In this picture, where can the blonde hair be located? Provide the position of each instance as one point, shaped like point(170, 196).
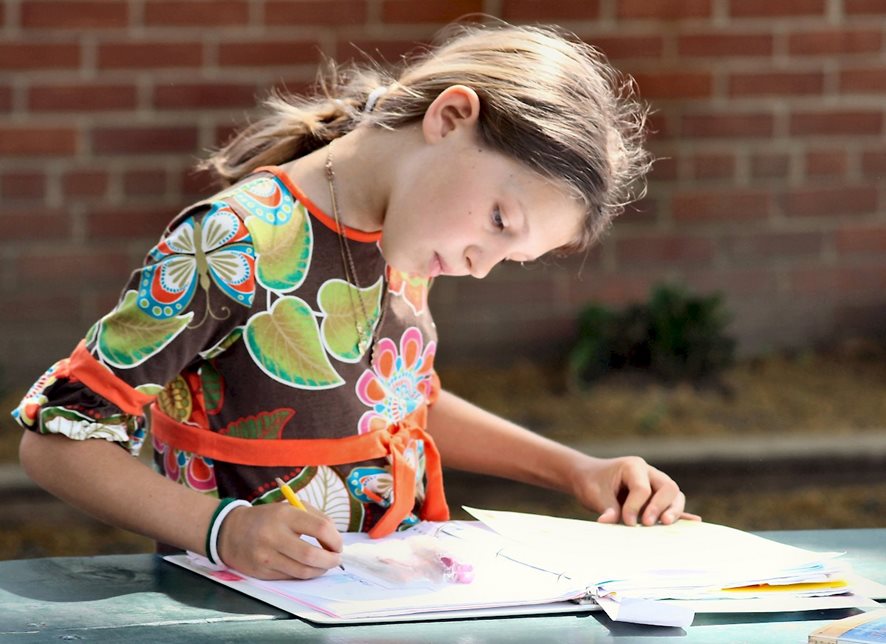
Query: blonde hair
point(547, 100)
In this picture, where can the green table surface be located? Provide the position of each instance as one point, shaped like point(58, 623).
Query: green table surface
point(141, 598)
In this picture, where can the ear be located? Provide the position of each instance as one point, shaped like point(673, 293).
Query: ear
point(455, 107)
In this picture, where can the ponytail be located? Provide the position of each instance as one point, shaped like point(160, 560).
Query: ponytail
point(296, 125)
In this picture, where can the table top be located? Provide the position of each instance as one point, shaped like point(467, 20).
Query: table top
point(141, 598)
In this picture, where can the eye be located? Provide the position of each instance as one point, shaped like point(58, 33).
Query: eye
point(497, 219)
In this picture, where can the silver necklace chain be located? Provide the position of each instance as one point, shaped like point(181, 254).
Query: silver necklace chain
point(365, 337)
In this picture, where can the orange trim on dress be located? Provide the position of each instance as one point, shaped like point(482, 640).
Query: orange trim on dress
point(326, 220)
point(391, 442)
point(84, 367)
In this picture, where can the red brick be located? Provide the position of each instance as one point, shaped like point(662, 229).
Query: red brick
point(664, 169)
point(73, 266)
point(30, 223)
point(812, 280)
point(196, 13)
point(317, 12)
point(833, 202)
point(33, 306)
point(675, 85)
point(776, 83)
point(74, 15)
point(770, 9)
point(864, 7)
point(733, 281)
point(862, 279)
point(627, 46)
point(82, 97)
point(85, 183)
point(712, 166)
point(770, 166)
point(721, 205)
point(196, 184)
point(23, 185)
point(859, 240)
point(128, 224)
point(728, 125)
point(539, 10)
point(5, 98)
point(835, 41)
point(144, 182)
point(144, 140)
point(837, 122)
point(149, 55)
point(261, 53)
point(21, 56)
point(615, 289)
point(38, 141)
point(668, 249)
point(774, 245)
point(388, 51)
point(873, 163)
point(725, 44)
point(672, 10)
point(863, 81)
point(438, 11)
point(205, 95)
point(826, 163)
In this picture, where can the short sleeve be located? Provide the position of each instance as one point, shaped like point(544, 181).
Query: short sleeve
point(193, 292)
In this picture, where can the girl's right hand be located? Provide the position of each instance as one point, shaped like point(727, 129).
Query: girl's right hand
point(264, 541)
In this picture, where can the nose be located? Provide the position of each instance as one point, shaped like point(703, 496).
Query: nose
point(480, 263)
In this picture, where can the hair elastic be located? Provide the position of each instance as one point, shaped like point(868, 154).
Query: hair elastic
point(224, 508)
point(373, 97)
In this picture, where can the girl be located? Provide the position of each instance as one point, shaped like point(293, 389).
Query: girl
point(281, 328)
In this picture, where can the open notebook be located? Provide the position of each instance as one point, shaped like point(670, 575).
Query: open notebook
point(531, 564)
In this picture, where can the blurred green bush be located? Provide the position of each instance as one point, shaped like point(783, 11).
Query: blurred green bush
point(674, 336)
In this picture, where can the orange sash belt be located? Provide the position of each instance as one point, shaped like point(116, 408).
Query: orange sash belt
point(392, 442)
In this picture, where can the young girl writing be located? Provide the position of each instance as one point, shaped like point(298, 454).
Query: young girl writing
point(281, 327)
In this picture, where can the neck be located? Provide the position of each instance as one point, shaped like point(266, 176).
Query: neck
point(363, 167)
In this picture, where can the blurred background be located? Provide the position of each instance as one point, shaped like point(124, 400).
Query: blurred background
point(731, 328)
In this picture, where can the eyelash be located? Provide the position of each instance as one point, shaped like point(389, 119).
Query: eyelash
point(497, 219)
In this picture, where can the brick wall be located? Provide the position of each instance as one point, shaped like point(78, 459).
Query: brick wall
point(770, 125)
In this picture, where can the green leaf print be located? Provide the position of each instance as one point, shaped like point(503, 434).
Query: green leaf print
point(328, 493)
point(213, 388)
point(227, 342)
point(285, 343)
point(283, 251)
point(149, 389)
point(340, 303)
point(265, 425)
point(128, 336)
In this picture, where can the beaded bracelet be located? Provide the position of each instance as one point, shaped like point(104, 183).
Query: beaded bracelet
point(224, 508)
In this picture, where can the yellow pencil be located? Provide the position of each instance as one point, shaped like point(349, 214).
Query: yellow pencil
point(290, 495)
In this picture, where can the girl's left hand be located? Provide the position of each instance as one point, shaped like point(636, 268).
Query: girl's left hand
point(630, 490)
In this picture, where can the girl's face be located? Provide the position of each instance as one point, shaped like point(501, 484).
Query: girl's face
point(459, 209)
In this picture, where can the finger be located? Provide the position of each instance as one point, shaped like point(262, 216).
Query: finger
point(666, 504)
point(313, 558)
point(318, 525)
point(610, 515)
point(690, 517)
point(639, 491)
point(670, 512)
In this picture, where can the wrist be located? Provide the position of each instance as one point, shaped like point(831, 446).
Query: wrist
point(213, 533)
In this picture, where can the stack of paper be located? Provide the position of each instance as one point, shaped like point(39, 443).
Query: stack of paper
point(706, 567)
point(529, 563)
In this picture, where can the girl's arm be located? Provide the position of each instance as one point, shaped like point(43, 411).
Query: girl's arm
point(102, 479)
point(626, 488)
